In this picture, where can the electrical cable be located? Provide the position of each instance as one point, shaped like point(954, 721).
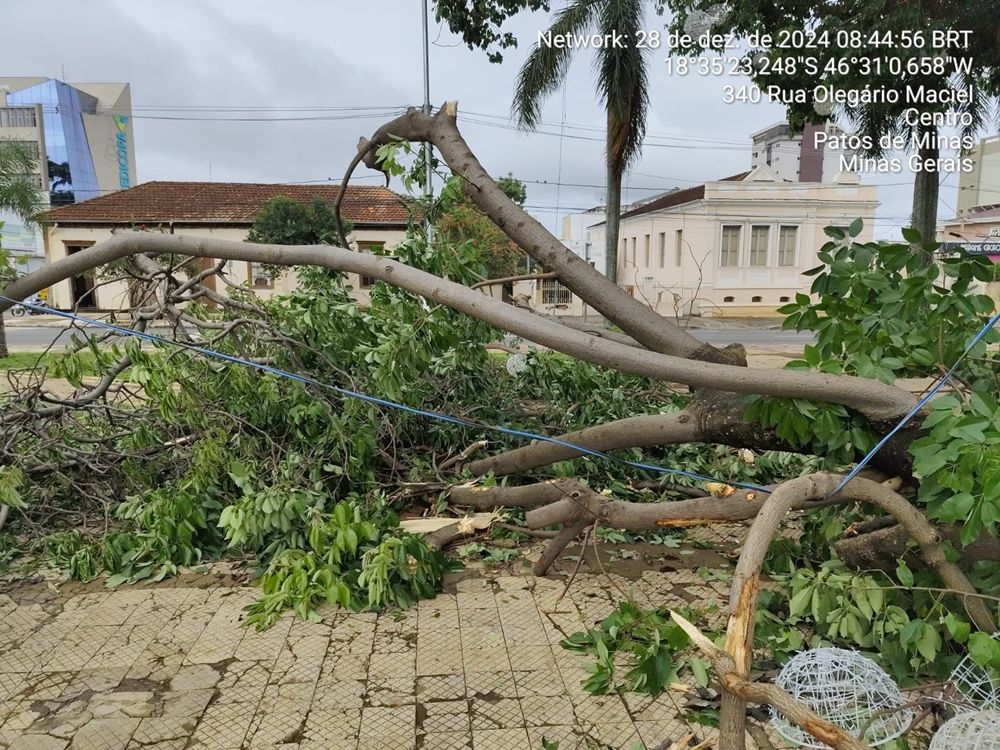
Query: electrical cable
point(919, 405)
point(462, 421)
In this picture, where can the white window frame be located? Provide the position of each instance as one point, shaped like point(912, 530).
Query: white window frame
point(739, 245)
point(795, 247)
point(663, 249)
point(678, 247)
point(767, 246)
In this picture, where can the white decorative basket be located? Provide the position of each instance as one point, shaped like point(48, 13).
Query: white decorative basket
point(848, 690)
point(978, 730)
point(978, 685)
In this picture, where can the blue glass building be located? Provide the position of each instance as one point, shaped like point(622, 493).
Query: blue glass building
point(71, 170)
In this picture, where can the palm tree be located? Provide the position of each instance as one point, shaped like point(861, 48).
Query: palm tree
point(622, 86)
point(19, 194)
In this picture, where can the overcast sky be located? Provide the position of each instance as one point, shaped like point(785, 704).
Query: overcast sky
point(303, 58)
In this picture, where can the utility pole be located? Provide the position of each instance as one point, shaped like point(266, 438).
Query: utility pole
point(428, 151)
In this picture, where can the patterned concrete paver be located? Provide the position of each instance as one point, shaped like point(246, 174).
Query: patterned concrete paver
point(174, 668)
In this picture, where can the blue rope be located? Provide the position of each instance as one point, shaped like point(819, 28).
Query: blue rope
point(378, 401)
point(919, 405)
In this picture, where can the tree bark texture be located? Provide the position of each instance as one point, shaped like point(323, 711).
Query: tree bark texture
point(875, 400)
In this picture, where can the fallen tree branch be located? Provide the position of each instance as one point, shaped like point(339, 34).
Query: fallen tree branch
point(634, 432)
point(733, 683)
point(746, 579)
point(556, 546)
point(461, 457)
point(883, 548)
point(440, 129)
point(875, 400)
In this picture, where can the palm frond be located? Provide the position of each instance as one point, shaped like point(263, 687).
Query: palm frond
point(544, 70)
point(18, 191)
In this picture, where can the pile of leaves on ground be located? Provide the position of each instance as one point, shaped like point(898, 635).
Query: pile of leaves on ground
point(307, 485)
point(303, 483)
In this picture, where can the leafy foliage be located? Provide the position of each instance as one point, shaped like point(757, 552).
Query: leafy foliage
point(958, 463)
point(464, 223)
point(285, 221)
point(911, 629)
point(479, 23)
point(883, 313)
point(358, 564)
point(880, 312)
point(648, 641)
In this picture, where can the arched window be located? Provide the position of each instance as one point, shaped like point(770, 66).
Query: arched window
point(728, 299)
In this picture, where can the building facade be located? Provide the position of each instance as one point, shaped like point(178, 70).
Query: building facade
point(209, 209)
point(737, 246)
point(806, 157)
point(81, 135)
point(981, 186)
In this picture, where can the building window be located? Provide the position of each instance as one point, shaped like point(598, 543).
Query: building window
point(729, 249)
point(645, 251)
point(760, 236)
point(367, 282)
point(788, 239)
point(633, 251)
point(783, 299)
point(260, 276)
point(728, 299)
point(554, 293)
point(678, 247)
point(756, 299)
point(663, 248)
point(18, 117)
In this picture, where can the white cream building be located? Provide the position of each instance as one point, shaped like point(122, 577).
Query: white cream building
point(737, 246)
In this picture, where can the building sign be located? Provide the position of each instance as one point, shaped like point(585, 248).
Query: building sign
point(972, 248)
point(121, 147)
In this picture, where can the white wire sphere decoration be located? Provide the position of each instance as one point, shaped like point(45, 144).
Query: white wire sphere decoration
point(699, 22)
point(847, 689)
point(978, 685)
point(978, 730)
point(517, 363)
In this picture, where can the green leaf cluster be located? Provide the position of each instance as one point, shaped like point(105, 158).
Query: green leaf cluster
point(351, 562)
point(958, 463)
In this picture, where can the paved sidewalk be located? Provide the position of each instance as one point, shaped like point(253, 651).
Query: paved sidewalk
point(173, 667)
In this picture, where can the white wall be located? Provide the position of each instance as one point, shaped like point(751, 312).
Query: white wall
point(699, 277)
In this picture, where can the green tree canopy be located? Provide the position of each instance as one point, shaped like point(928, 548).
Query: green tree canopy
point(285, 221)
point(19, 194)
point(463, 222)
point(479, 23)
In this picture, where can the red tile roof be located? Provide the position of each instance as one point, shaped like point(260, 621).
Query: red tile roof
point(226, 203)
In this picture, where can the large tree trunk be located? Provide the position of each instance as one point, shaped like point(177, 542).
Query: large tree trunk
point(3, 337)
point(613, 211)
point(926, 187)
point(645, 325)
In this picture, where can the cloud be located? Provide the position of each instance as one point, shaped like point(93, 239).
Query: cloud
point(270, 58)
